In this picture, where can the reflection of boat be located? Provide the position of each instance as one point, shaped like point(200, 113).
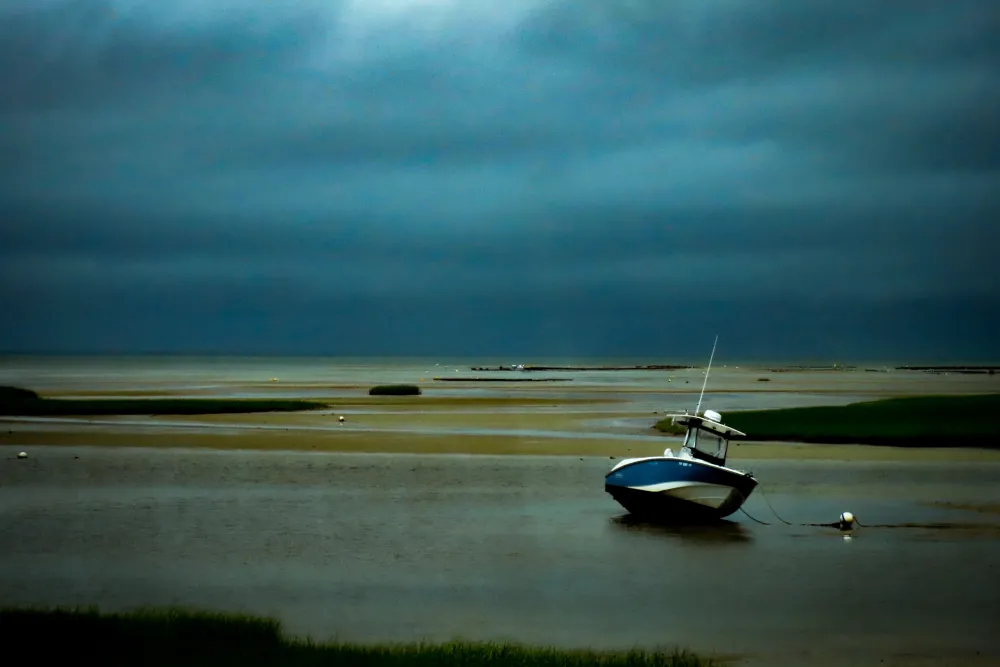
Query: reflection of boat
point(717, 533)
point(693, 485)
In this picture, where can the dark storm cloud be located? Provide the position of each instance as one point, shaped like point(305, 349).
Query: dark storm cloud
point(233, 154)
point(698, 44)
point(904, 84)
point(86, 53)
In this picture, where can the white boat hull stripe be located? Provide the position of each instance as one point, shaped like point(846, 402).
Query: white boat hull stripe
point(710, 495)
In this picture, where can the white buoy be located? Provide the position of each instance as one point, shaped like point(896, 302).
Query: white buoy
point(340, 418)
point(846, 521)
point(847, 538)
point(22, 455)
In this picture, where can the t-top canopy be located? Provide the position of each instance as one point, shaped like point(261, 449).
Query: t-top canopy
point(696, 421)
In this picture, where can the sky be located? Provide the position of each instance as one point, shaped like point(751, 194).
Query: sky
point(533, 178)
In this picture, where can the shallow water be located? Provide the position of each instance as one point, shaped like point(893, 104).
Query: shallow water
point(380, 547)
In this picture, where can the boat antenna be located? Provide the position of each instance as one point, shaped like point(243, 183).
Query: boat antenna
point(705, 383)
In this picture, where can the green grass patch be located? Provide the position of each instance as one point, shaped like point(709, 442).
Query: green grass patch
point(921, 421)
point(29, 404)
point(395, 390)
point(181, 637)
point(16, 395)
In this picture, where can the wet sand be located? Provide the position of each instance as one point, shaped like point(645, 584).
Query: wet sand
point(424, 518)
point(257, 438)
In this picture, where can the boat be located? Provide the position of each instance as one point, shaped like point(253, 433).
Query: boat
point(693, 485)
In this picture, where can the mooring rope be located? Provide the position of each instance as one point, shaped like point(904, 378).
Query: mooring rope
point(833, 524)
point(763, 523)
point(768, 503)
point(845, 524)
point(847, 520)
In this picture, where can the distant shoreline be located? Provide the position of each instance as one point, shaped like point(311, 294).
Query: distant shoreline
point(531, 367)
point(952, 369)
point(479, 379)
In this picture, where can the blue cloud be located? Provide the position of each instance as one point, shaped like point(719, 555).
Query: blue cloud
point(318, 154)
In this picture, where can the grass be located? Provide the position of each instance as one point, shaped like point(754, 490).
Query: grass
point(395, 390)
point(16, 395)
point(921, 421)
point(183, 637)
point(25, 403)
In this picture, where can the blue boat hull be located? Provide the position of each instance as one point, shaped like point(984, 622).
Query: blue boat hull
point(677, 489)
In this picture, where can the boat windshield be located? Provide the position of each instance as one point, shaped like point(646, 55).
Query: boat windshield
point(710, 444)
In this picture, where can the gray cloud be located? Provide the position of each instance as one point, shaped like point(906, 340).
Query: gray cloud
point(897, 85)
point(709, 43)
point(98, 53)
point(274, 157)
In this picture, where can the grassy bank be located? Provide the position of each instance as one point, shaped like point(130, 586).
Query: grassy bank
point(395, 390)
point(178, 637)
point(923, 421)
point(26, 403)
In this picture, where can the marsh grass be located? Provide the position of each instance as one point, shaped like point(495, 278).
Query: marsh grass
point(394, 390)
point(183, 637)
point(25, 403)
point(921, 421)
point(16, 395)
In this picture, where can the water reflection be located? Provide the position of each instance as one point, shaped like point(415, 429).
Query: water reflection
point(715, 533)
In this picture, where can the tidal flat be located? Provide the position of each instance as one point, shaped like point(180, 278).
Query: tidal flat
point(480, 515)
